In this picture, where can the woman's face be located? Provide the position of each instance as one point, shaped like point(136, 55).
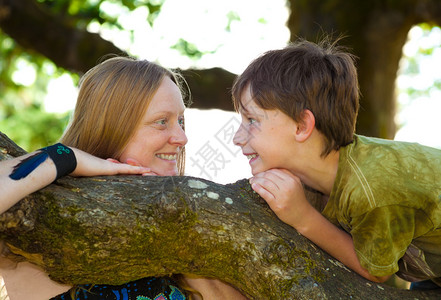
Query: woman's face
point(160, 136)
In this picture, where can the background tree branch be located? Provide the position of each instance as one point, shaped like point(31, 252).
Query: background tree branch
point(376, 31)
point(35, 28)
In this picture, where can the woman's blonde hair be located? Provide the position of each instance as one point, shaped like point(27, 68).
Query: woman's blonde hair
point(113, 97)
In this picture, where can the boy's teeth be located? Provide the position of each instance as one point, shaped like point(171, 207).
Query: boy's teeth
point(167, 156)
point(251, 156)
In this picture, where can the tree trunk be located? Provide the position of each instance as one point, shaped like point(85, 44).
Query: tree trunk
point(120, 228)
point(210, 88)
point(376, 31)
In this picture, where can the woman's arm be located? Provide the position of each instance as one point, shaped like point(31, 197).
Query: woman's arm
point(12, 190)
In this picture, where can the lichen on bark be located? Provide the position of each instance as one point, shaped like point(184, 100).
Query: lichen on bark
point(114, 229)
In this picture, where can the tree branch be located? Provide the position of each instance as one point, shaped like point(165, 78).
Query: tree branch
point(119, 228)
point(35, 28)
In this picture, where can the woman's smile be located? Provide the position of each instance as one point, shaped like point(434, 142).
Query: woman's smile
point(169, 157)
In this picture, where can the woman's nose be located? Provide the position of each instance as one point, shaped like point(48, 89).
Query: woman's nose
point(178, 136)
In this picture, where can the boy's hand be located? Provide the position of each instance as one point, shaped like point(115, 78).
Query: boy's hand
point(284, 193)
point(89, 165)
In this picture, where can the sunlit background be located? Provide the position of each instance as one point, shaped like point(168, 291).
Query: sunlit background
point(230, 37)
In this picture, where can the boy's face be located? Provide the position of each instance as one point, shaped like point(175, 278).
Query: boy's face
point(267, 137)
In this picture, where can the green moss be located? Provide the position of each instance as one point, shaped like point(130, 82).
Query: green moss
point(52, 235)
point(74, 210)
point(280, 253)
point(164, 240)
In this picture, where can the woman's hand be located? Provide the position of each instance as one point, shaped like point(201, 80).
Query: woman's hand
point(134, 162)
point(89, 165)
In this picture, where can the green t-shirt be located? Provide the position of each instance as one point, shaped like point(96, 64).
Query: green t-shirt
point(387, 195)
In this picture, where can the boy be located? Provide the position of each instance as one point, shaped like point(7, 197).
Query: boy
point(382, 199)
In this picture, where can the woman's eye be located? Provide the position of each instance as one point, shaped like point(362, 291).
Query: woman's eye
point(251, 121)
point(161, 122)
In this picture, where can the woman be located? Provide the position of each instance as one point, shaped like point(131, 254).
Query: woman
point(141, 124)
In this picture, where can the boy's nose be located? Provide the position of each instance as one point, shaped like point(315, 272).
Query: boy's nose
point(240, 138)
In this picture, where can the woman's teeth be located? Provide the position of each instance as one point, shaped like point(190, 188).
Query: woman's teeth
point(167, 156)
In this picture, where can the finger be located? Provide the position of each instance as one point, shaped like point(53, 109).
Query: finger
point(265, 194)
point(122, 168)
point(283, 178)
point(272, 174)
point(258, 176)
point(113, 160)
point(140, 170)
point(266, 183)
point(273, 177)
point(281, 174)
point(132, 162)
point(150, 173)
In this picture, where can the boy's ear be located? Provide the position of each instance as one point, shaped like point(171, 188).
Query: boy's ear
point(305, 126)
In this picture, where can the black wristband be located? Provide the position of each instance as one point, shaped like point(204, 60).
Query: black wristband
point(63, 158)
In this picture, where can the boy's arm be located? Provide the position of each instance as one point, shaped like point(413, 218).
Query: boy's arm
point(284, 194)
point(12, 190)
point(338, 243)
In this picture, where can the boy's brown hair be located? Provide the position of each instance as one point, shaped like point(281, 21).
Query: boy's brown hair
point(319, 77)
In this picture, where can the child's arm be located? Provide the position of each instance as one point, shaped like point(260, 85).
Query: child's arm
point(11, 190)
point(284, 194)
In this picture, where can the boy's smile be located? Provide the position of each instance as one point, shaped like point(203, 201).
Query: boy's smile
point(251, 156)
point(267, 137)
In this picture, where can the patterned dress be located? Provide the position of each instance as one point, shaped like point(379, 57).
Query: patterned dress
point(150, 288)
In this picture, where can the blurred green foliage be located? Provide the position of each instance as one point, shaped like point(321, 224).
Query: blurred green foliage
point(190, 50)
point(412, 66)
point(33, 128)
point(22, 117)
point(22, 114)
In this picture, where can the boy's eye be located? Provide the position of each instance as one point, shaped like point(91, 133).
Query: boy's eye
point(181, 122)
point(251, 121)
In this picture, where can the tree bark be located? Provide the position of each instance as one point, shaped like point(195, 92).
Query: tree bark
point(210, 88)
point(376, 31)
point(116, 229)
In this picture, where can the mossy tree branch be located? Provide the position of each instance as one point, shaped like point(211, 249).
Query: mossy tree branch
point(120, 228)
